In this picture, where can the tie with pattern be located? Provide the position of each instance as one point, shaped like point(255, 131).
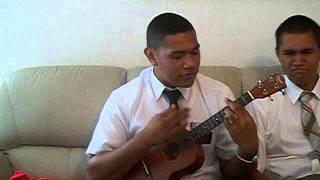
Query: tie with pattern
point(310, 126)
point(173, 96)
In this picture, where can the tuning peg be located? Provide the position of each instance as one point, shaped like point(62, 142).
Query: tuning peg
point(270, 78)
point(260, 84)
point(265, 91)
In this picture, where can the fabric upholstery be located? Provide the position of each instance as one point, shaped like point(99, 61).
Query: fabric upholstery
point(57, 105)
point(226, 74)
point(48, 113)
point(57, 163)
point(5, 169)
point(8, 134)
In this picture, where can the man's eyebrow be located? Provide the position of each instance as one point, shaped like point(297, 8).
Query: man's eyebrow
point(182, 52)
point(307, 49)
point(178, 52)
point(288, 50)
point(302, 50)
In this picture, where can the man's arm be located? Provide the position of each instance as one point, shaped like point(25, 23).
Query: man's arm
point(258, 176)
point(243, 131)
point(161, 129)
point(115, 164)
point(230, 170)
point(235, 169)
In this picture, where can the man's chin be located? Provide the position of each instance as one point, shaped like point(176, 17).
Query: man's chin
point(298, 76)
point(298, 79)
point(186, 84)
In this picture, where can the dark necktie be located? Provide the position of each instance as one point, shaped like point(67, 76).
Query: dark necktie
point(172, 96)
point(310, 126)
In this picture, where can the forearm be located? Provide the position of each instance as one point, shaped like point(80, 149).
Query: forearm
point(116, 164)
point(258, 176)
point(235, 168)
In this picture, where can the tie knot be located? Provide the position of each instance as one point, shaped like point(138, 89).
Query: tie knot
point(305, 97)
point(173, 96)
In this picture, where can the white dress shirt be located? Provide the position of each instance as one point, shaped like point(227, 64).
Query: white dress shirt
point(130, 107)
point(283, 147)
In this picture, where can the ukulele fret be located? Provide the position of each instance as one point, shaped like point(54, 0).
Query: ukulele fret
point(244, 99)
point(199, 130)
point(205, 127)
point(214, 120)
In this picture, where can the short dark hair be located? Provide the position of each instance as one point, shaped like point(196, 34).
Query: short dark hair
point(298, 24)
point(166, 24)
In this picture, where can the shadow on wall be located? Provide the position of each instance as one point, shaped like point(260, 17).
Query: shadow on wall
point(259, 68)
point(262, 61)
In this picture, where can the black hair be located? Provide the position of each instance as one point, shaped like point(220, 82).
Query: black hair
point(298, 24)
point(166, 24)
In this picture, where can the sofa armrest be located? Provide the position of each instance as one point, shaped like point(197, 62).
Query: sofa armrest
point(5, 168)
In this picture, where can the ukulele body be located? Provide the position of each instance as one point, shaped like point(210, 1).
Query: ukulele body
point(159, 166)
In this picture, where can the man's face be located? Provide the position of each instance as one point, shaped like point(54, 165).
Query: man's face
point(177, 61)
point(299, 56)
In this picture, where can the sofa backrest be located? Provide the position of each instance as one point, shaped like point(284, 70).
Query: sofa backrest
point(56, 105)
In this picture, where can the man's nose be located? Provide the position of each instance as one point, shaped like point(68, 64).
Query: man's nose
point(299, 57)
point(190, 61)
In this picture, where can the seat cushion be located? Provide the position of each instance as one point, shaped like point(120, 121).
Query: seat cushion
point(53, 162)
point(5, 168)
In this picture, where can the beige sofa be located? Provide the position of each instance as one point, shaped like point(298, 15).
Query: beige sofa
point(47, 114)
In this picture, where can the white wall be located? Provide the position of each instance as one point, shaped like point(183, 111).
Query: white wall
point(112, 32)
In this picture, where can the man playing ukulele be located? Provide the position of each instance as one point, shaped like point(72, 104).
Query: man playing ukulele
point(139, 115)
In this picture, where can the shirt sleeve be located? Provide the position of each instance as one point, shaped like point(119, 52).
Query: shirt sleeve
point(111, 129)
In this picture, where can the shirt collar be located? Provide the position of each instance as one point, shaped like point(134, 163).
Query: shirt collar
point(294, 91)
point(158, 87)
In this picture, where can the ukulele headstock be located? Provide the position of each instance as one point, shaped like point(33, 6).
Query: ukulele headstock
point(272, 84)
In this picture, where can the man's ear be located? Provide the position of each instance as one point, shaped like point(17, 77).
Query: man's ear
point(151, 55)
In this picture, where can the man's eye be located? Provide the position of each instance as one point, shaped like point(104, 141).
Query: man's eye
point(289, 53)
point(176, 56)
point(307, 52)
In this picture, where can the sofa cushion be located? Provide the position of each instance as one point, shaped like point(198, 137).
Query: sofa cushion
point(134, 72)
point(5, 169)
point(8, 134)
point(56, 106)
point(228, 75)
point(53, 162)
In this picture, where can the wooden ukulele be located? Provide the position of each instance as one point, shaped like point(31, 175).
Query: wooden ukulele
point(185, 156)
